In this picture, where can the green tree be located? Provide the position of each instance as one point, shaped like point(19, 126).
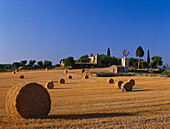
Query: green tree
point(84, 58)
point(157, 60)
point(148, 57)
point(69, 61)
point(23, 62)
point(167, 65)
point(132, 61)
point(139, 53)
point(113, 61)
point(152, 65)
point(16, 65)
point(108, 51)
point(144, 64)
point(31, 62)
point(164, 66)
point(47, 63)
point(106, 60)
point(40, 63)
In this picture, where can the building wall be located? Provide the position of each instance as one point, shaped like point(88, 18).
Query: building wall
point(116, 69)
point(97, 59)
point(125, 64)
point(62, 64)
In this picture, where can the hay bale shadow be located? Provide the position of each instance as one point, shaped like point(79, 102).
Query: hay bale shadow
point(135, 90)
point(61, 88)
point(86, 116)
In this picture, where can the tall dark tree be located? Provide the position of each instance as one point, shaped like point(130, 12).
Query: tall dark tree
point(108, 51)
point(148, 57)
point(139, 53)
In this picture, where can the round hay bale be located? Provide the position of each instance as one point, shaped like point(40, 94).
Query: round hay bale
point(28, 101)
point(16, 70)
point(118, 84)
point(46, 69)
point(86, 77)
point(61, 81)
point(13, 72)
point(65, 71)
point(127, 86)
point(69, 77)
point(21, 76)
point(49, 85)
point(132, 81)
point(82, 71)
point(110, 80)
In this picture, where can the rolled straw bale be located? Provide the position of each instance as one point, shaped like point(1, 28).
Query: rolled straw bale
point(86, 77)
point(82, 71)
point(118, 84)
point(110, 80)
point(69, 77)
point(21, 76)
point(65, 71)
point(132, 81)
point(127, 86)
point(49, 85)
point(13, 72)
point(61, 81)
point(46, 69)
point(28, 101)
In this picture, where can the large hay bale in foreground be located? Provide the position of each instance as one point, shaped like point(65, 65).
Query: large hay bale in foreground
point(21, 76)
point(127, 86)
point(132, 81)
point(28, 101)
point(65, 71)
point(61, 81)
point(86, 77)
point(118, 84)
point(49, 85)
point(69, 77)
point(110, 80)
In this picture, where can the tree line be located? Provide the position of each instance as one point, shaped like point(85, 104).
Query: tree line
point(156, 60)
point(31, 63)
point(107, 60)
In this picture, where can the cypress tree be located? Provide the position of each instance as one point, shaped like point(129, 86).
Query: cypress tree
point(108, 51)
point(148, 57)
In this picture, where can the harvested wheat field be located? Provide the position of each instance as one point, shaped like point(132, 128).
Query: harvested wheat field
point(93, 103)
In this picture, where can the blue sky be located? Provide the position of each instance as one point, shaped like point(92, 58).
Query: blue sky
point(55, 29)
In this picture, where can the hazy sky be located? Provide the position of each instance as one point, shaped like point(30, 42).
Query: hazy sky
point(56, 29)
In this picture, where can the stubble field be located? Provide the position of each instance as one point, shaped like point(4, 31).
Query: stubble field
point(93, 103)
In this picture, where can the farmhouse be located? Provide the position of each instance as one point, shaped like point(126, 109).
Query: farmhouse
point(97, 59)
point(123, 67)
